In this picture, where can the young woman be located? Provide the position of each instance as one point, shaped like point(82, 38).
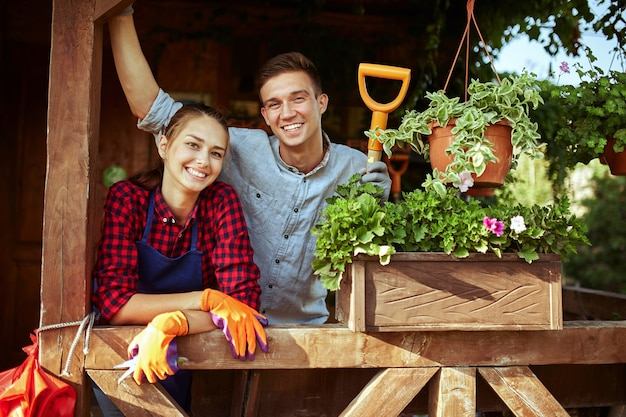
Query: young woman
point(175, 253)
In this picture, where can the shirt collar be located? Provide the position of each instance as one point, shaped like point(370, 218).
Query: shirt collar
point(163, 213)
point(295, 170)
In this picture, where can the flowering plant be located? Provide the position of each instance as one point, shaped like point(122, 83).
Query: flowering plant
point(355, 222)
point(487, 104)
point(590, 113)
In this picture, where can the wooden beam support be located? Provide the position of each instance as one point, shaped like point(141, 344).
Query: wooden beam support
point(335, 346)
point(453, 393)
point(104, 9)
point(136, 400)
point(68, 218)
point(389, 392)
point(522, 392)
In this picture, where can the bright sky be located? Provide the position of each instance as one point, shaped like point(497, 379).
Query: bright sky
point(522, 54)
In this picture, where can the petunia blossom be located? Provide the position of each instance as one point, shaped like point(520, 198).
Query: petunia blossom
point(464, 182)
point(517, 224)
point(494, 225)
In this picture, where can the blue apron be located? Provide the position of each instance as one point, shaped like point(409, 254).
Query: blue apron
point(159, 274)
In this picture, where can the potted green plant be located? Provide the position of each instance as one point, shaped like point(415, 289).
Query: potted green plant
point(431, 248)
point(593, 116)
point(470, 149)
point(426, 221)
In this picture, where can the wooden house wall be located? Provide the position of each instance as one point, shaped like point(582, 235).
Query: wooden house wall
point(188, 65)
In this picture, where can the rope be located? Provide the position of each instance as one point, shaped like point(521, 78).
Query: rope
point(470, 19)
point(88, 322)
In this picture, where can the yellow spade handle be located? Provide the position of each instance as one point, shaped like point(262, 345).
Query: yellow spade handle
point(381, 110)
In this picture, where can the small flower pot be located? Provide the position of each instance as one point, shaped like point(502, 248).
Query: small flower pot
point(615, 160)
point(495, 173)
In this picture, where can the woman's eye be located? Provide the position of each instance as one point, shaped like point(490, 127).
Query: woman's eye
point(217, 155)
point(192, 145)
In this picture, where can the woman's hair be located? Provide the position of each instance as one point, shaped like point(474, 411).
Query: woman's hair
point(288, 62)
point(152, 178)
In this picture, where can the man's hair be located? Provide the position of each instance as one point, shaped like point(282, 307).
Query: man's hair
point(289, 62)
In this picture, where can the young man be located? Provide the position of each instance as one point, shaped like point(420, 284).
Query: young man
point(283, 180)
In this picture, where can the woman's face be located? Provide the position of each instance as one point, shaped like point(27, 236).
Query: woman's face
point(193, 158)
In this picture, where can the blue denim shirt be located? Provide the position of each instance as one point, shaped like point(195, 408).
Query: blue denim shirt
point(281, 205)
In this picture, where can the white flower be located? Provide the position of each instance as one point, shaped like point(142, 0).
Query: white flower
point(517, 224)
point(464, 182)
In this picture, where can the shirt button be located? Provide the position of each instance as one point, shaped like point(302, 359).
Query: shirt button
point(263, 312)
point(270, 286)
point(180, 235)
point(286, 236)
point(258, 195)
point(277, 261)
point(295, 210)
point(165, 220)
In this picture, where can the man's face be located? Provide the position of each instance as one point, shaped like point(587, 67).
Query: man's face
point(291, 109)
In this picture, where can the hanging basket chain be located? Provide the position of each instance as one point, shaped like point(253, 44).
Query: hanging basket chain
point(466, 37)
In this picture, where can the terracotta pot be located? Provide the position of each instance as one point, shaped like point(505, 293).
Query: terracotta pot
point(480, 192)
point(615, 161)
point(495, 173)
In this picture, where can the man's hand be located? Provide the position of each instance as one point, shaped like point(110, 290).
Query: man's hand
point(377, 174)
point(241, 324)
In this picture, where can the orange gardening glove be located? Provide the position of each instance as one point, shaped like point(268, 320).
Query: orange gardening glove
point(242, 325)
point(151, 348)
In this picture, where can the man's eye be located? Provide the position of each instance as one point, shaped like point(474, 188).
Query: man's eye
point(300, 99)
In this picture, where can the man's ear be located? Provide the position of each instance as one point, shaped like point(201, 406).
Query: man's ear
point(162, 146)
point(264, 114)
point(322, 101)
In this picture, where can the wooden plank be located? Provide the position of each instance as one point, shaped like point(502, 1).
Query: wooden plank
point(522, 391)
point(136, 400)
point(72, 149)
point(587, 304)
point(335, 346)
point(104, 9)
point(453, 393)
point(397, 386)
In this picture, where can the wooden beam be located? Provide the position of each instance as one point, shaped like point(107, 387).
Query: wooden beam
point(335, 346)
point(453, 393)
point(104, 9)
point(588, 304)
point(136, 400)
point(522, 392)
point(72, 148)
point(389, 392)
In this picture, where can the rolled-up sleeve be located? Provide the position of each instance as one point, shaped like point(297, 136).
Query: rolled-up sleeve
point(159, 115)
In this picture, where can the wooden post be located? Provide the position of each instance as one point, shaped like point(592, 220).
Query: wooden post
point(72, 149)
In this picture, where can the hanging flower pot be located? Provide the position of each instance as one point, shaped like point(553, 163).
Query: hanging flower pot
point(498, 134)
point(615, 160)
point(480, 192)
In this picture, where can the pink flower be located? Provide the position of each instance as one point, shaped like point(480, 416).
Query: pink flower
point(494, 226)
point(564, 67)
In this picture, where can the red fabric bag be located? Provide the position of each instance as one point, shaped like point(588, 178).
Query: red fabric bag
point(29, 391)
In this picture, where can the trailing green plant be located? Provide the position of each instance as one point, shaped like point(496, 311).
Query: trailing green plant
point(355, 222)
point(487, 103)
point(592, 112)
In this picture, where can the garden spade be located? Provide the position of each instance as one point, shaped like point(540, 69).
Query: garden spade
point(381, 110)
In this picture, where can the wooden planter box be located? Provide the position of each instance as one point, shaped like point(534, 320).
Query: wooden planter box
point(435, 291)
